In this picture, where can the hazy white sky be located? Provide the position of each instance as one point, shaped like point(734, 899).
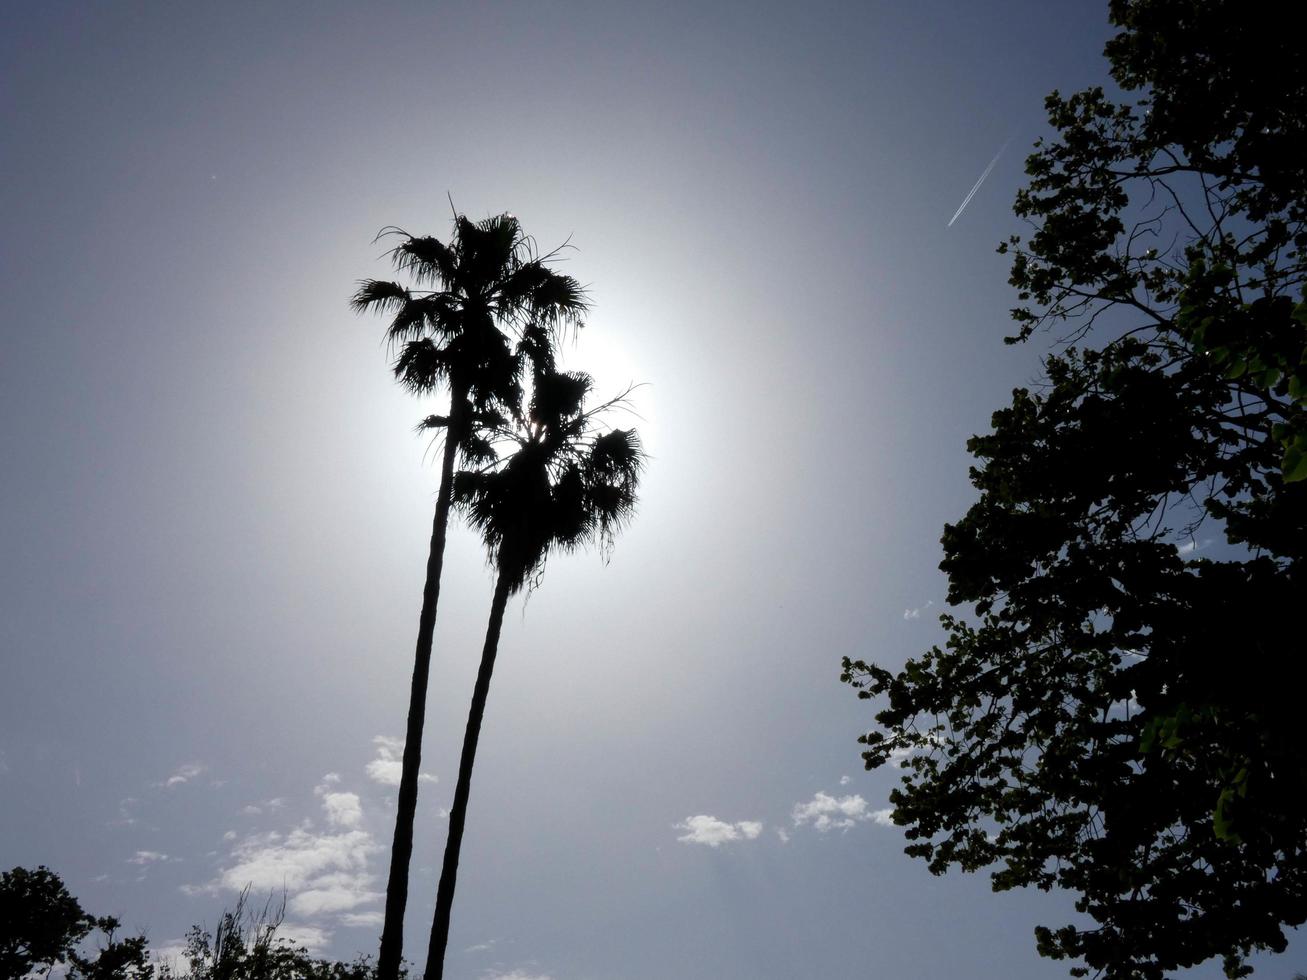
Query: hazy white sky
point(214, 513)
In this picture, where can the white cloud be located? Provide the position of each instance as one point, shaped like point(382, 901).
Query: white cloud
point(387, 767)
point(342, 809)
point(342, 891)
point(271, 806)
point(271, 861)
point(703, 829)
point(324, 875)
point(183, 774)
point(844, 780)
point(313, 938)
point(147, 857)
point(883, 817)
point(374, 918)
point(825, 812)
point(515, 975)
point(783, 835)
point(916, 613)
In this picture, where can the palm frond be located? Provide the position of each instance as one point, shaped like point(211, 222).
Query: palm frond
point(428, 260)
point(437, 315)
point(422, 366)
point(558, 397)
point(535, 349)
point(377, 294)
point(477, 450)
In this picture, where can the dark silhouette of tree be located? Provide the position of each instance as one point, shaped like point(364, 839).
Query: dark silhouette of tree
point(245, 946)
point(40, 922)
point(563, 486)
point(471, 297)
point(1115, 718)
point(117, 959)
point(42, 926)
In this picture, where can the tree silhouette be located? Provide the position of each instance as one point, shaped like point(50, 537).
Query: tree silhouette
point(1111, 716)
point(563, 486)
point(472, 295)
point(42, 927)
point(40, 922)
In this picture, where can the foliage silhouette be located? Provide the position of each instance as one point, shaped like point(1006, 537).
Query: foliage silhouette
point(42, 926)
point(472, 297)
point(564, 485)
point(245, 946)
point(40, 922)
point(1089, 728)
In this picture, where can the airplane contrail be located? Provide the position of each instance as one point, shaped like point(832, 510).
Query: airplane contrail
point(967, 200)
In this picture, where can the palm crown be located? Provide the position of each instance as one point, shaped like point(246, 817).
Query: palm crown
point(486, 280)
point(562, 484)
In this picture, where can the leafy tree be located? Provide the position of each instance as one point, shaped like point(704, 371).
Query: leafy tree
point(43, 926)
point(454, 325)
point(1115, 718)
point(40, 922)
point(245, 946)
point(118, 959)
point(563, 486)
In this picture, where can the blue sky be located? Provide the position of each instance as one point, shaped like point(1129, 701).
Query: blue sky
point(214, 512)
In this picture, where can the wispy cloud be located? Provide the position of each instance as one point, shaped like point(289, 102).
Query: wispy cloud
point(389, 763)
point(704, 829)
point(916, 613)
point(126, 812)
point(517, 974)
point(270, 806)
point(324, 874)
point(147, 857)
point(825, 812)
point(183, 774)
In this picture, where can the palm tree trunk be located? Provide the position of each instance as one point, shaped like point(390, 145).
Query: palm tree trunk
point(401, 850)
point(458, 812)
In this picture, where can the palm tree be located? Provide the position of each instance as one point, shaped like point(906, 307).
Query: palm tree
point(470, 294)
point(564, 486)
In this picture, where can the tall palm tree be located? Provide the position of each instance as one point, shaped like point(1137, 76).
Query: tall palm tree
point(564, 485)
point(471, 297)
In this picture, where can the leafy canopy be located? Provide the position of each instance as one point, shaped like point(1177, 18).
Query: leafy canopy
point(1115, 717)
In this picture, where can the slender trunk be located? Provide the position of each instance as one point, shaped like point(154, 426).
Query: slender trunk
point(401, 850)
point(458, 812)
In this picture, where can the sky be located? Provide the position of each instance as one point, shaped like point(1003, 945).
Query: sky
point(214, 511)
